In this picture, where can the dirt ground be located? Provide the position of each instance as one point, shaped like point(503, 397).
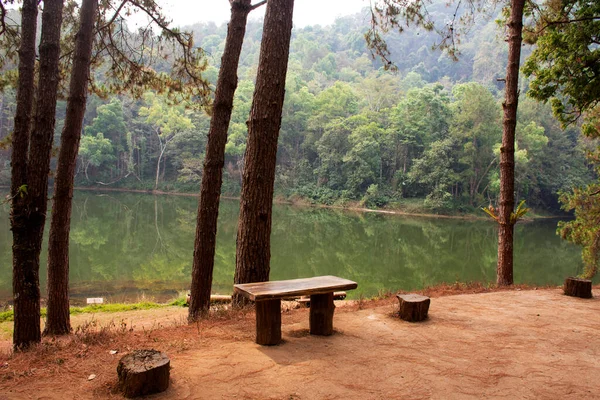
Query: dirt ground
point(526, 344)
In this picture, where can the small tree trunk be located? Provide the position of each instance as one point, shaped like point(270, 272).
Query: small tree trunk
point(58, 319)
point(212, 175)
point(253, 251)
point(504, 276)
point(158, 168)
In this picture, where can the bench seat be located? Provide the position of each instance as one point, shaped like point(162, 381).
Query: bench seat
point(268, 295)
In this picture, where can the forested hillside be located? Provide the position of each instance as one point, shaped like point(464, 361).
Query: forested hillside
point(351, 131)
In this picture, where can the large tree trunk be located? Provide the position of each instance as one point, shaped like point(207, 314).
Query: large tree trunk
point(26, 293)
point(29, 215)
point(212, 175)
point(504, 275)
point(58, 319)
point(253, 251)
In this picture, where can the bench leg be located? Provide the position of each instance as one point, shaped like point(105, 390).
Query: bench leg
point(268, 322)
point(321, 314)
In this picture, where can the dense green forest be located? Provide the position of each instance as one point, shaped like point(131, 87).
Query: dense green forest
point(351, 131)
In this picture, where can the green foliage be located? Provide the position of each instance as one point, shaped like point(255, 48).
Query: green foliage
point(564, 67)
point(95, 150)
point(22, 191)
point(584, 230)
point(566, 59)
point(515, 216)
point(350, 131)
point(434, 171)
point(110, 121)
point(519, 212)
point(7, 316)
point(95, 308)
point(491, 212)
point(476, 128)
point(167, 120)
point(375, 198)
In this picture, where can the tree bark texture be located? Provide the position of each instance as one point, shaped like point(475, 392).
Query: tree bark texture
point(212, 174)
point(504, 275)
point(254, 227)
point(26, 292)
point(31, 213)
point(58, 318)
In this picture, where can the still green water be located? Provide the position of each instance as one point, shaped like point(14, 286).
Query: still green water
point(127, 246)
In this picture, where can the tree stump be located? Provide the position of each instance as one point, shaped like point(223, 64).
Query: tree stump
point(413, 307)
point(578, 288)
point(143, 372)
point(321, 314)
point(268, 322)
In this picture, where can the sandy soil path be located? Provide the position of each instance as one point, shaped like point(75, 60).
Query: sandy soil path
point(530, 344)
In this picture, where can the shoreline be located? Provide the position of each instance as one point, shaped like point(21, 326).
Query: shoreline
point(109, 312)
point(301, 203)
point(277, 200)
point(439, 290)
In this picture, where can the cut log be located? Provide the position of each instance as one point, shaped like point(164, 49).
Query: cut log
point(578, 288)
point(214, 298)
point(220, 298)
point(413, 307)
point(321, 314)
point(143, 372)
point(268, 322)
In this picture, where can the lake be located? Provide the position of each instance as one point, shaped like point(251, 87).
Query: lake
point(129, 246)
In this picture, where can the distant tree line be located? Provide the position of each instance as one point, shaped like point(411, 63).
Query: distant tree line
point(351, 132)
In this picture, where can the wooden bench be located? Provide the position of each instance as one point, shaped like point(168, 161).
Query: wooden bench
point(268, 295)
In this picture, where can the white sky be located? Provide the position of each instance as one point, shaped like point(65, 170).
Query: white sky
point(306, 12)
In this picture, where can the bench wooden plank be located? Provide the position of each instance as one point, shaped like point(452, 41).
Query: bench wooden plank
point(293, 287)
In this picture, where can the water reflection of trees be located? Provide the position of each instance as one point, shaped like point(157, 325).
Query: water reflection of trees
point(140, 242)
point(381, 251)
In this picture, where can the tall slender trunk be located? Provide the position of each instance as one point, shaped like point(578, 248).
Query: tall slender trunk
point(26, 293)
point(212, 175)
point(29, 215)
point(163, 147)
point(253, 251)
point(58, 319)
point(158, 169)
point(504, 274)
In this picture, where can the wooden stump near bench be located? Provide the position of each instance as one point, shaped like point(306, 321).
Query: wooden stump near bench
point(576, 287)
point(413, 307)
point(143, 372)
